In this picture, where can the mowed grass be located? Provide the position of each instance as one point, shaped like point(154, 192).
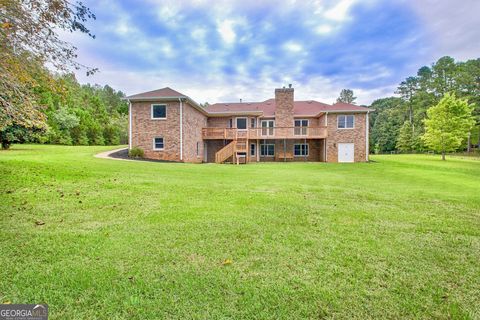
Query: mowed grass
point(395, 238)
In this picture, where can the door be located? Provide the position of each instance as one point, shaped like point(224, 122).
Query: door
point(267, 127)
point(346, 152)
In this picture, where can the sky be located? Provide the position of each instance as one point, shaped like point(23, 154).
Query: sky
point(223, 51)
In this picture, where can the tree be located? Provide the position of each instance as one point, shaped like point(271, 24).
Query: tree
point(346, 96)
point(405, 138)
point(28, 40)
point(448, 124)
point(385, 123)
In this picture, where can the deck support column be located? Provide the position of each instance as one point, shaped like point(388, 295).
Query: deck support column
point(258, 150)
point(284, 149)
point(305, 154)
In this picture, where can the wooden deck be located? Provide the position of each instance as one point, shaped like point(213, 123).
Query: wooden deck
point(265, 133)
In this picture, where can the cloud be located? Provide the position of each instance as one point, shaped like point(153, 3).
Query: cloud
point(226, 31)
point(216, 51)
point(453, 26)
point(340, 11)
point(293, 46)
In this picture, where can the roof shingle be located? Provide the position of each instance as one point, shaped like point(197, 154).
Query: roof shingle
point(300, 108)
point(159, 93)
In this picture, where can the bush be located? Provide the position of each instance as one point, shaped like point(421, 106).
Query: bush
point(136, 152)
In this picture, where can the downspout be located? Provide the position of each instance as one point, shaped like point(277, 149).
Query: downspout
point(326, 126)
point(367, 131)
point(181, 129)
point(129, 125)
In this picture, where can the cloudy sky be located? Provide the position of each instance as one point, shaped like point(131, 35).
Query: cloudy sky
point(222, 51)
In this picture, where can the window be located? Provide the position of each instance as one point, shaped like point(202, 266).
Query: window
point(230, 123)
point(252, 122)
point(252, 149)
point(242, 123)
point(267, 127)
point(301, 127)
point(198, 148)
point(159, 111)
point(267, 150)
point(158, 144)
point(300, 150)
point(345, 121)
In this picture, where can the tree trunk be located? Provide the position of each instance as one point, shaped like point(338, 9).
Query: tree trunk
point(443, 155)
point(5, 144)
point(478, 138)
point(468, 143)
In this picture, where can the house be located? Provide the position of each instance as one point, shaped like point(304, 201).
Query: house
point(168, 125)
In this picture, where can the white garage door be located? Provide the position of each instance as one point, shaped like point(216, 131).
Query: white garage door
point(345, 152)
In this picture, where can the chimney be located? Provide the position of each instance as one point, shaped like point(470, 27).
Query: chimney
point(284, 107)
point(240, 100)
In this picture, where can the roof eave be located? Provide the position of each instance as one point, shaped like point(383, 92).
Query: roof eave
point(133, 98)
point(153, 99)
point(349, 111)
point(234, 113)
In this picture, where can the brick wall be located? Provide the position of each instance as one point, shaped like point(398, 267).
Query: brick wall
point(145, 129)
point(218, 122)
point(193, 122)
point(224, 122)
point(356, 136)
point(212, 147)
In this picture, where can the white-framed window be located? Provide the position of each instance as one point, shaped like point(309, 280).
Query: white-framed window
point(301, 126)
point(252, 149)
point(159, 111)
point(267, 127)
point(230, 123)
point(198, 148)
point(253, 122)
point(158, 143)
point(300, 150)
point(267, 150)
point(346, 121)
point(241, 123)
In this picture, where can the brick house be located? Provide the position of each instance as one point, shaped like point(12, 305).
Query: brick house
point(169, 125)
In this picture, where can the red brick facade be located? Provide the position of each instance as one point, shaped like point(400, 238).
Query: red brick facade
point(181, 130)
point(357, 136)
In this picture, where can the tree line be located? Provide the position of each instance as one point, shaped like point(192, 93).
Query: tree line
point(74, 114)
point(400, 123)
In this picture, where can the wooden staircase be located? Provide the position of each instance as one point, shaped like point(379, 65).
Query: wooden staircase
point(225, 153)
point(238, 145)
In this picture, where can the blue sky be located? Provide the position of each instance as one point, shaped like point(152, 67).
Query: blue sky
point(223, 51)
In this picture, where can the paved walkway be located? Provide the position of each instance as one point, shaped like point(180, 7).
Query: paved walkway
point(109, 155)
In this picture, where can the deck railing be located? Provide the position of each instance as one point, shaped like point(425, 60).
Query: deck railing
point(265, 133)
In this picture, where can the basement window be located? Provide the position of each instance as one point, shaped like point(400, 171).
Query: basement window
point(267, 150)
point(345, 121)
point(159, 111)
point(300, 150)
point(158, 144)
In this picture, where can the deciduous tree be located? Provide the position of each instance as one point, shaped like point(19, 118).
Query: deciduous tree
point(448, 124)
point(28, 40)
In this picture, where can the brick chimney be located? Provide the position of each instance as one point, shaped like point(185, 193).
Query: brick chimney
point(284, 107)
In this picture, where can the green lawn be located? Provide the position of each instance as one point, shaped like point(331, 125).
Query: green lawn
point(395, 238)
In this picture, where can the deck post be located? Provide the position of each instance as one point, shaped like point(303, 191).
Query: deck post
point(305, 145)
point(258, 150)
point(284, 149)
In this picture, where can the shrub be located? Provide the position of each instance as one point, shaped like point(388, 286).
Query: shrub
point(136, 152)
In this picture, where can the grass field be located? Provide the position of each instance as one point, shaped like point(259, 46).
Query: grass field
point(95, 238)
